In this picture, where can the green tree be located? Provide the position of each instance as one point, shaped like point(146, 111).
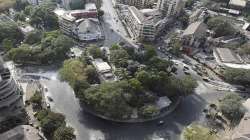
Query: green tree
point(19, 16)
point(149, 52)
point(64, 133)
point(159, 64)
point(149, 111)
point(95, 51)
point(10, 31)
point(33, 37)
point(36, 98)
point(51, 123)
point(7, 44)
point(221, 26)
point(198, 132)
point(232, 108)
point(43, 16)
point(72, 71)
point(107, 98)
point(237, 76)
point(119, 57)
point(92, 76)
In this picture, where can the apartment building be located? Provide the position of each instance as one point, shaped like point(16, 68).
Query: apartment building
point(11, 103)
point(142, 25)
point(170, 7)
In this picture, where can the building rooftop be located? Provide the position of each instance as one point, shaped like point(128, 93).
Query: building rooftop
point(101, 66)
point(89, 25)
point(193, 28)
point(27, 29)
point(137, 14)
point(227, 56)
point(22, 132)
point(90, 7)
point(240, 3)
point(163, 102)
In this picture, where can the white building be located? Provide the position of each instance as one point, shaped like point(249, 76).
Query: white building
point(237, 4)
point(104, 70)
point(66, 4)
point(170, 7)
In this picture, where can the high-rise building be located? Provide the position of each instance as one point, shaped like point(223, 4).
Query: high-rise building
point(66, 4)
point(170, 7)
point(142, 26)
point(11, 102)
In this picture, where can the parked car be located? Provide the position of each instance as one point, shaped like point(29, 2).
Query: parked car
point(160, 123)
point(50, 99)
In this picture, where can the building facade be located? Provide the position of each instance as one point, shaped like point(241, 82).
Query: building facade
point(170, 7)
point(11, 102)
point(137, 3)
point(35, 2)
point(143, 25)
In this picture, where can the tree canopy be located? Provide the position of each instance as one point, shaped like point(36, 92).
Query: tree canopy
point(10, 30)
point(107, 99)
point(198, 132)
point(237, 76)
point(221, 26)
point(54, 47)
point(231, 106)
point(64, 133)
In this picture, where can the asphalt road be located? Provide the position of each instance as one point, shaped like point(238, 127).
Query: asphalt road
point(113, 29)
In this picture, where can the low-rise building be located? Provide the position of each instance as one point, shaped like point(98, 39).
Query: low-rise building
point(104, 70)
point(226, 56)
point(194, 34)
point(80, 24)
point(237, 4)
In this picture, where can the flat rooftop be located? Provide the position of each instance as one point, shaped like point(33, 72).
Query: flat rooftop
point(226, 55)
point(101, 66)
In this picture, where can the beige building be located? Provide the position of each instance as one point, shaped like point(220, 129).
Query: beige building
point(194, 33)
point(143, 25)
point(170, 7)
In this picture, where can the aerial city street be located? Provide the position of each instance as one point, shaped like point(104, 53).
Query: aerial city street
point(124, 70)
